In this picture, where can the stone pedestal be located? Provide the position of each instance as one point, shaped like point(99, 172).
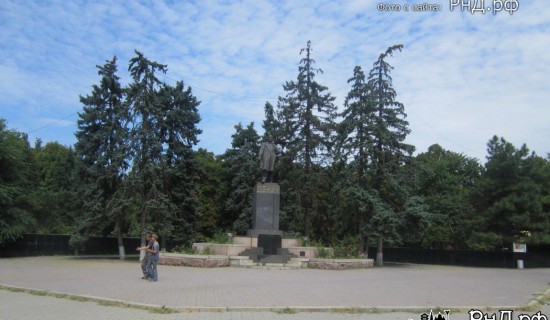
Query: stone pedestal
point(270, 243)
point(265, 219)
point(265, 226)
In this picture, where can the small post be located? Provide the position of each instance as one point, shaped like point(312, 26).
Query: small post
point(522, 248)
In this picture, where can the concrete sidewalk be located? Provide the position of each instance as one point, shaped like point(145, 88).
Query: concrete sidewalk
point(415, 289)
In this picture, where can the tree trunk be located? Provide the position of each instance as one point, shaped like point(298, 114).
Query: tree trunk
point(145, 181)
point(364, 244)
point(163, 244)
point(379, 251)
point(142, 252)
point(361, 241)
point(142, 223)
point(121, 251)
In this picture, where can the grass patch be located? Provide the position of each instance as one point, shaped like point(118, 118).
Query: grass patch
point(539, 299)
point(109, 303)
point(287, 310)
point(374, 311)
point(39, 293)
point(76, 298)
point(164, 310)
point(350, 310)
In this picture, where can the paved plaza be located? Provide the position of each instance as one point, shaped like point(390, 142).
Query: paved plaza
point(112, 289)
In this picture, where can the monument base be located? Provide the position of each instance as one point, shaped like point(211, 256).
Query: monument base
point(266, 210)
point(266, 206)
point(256, 232)
point(265, 226)
point(271, 244)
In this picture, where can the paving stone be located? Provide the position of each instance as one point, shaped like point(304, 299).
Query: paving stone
point(240, 290)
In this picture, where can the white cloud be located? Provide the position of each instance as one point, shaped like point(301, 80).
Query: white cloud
point(462, 77)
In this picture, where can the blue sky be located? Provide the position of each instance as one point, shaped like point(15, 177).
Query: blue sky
point(462, 77)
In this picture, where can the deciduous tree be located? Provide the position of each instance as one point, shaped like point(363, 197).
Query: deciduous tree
point(15, 182)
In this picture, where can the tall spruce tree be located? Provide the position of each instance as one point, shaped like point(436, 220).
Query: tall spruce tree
point(240, 172)
point(306, 119)
point(390, 152)
point(356, 146)
point(179, 133)
point(376, 128)
point(164, 120)
point(145, 103)
point(102, 148)
point(391, 128)
point(270, 124)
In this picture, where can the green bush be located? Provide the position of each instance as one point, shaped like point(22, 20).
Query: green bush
point(324, 253)
point(184, 250)
point(220, 237)
point(484, 241)
point(347, 248)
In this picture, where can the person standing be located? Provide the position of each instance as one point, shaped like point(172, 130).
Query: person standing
point(147, 258)
point(155, 254)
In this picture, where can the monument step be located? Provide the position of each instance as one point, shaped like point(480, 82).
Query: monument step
point(246, 262)
point(276, 259)
point(252, 253)
point(284, 251)
point(240, 261)
point(278, 266)
point(262, 259)
point(298, 262)
point(273, 267)
point(253, 250)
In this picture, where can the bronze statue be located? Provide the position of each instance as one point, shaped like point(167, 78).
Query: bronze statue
point(268, 152)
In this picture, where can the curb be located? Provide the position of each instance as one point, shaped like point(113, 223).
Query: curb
point(86, 298)
point(282, 310)
point(538, 299)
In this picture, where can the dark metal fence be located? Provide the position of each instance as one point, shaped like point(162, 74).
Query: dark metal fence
point(47, 245)
point(492, 259)
point(41, 244)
